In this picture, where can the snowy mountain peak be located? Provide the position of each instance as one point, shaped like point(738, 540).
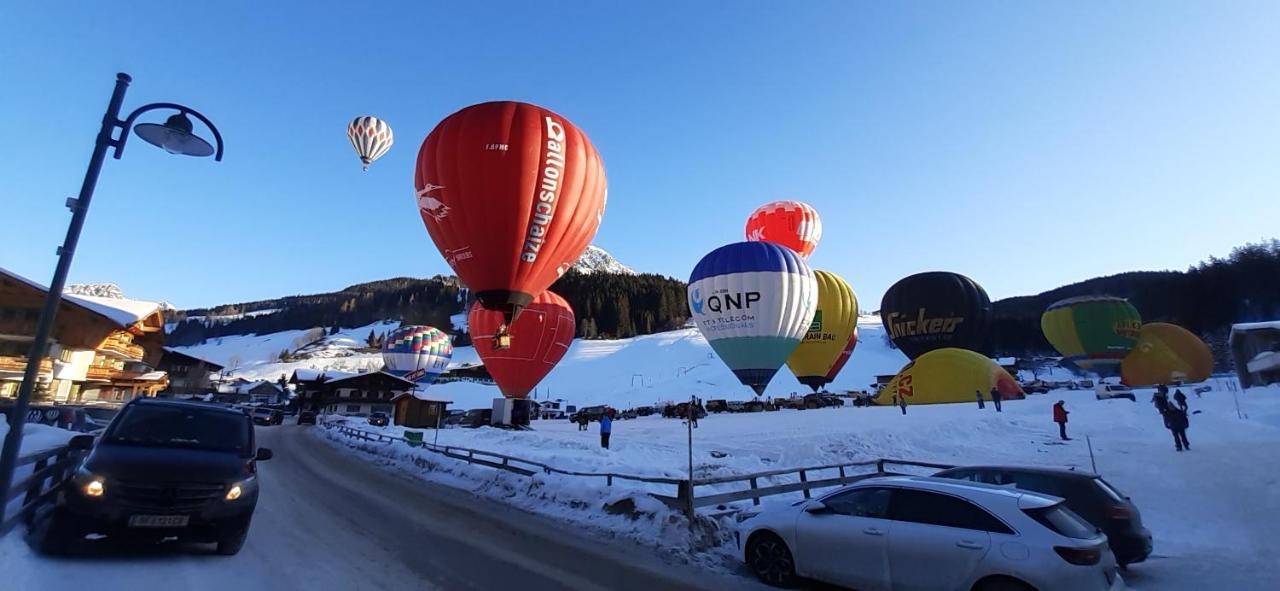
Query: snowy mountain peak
point(598, 260)
point(100, 290)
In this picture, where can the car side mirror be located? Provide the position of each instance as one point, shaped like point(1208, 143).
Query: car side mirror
point(817, 508)
point(81, 442)
point(264, 454)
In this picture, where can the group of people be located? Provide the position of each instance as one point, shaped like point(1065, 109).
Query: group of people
point(1175, 415)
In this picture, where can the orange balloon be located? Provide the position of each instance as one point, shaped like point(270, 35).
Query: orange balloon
point(1165, 354)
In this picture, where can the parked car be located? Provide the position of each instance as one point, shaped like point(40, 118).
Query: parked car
point(1110, 391)
point(453, 418)
point(380, 419)
point(591, 413)
point(645, 411)
point(266, 416)
point(477, 417)
point(1087, 494)
point(1035, 387)
point(681, 410)
point(717, 406)
point(899, 532)
point(630, 413)
point(307, 417)
point(162, 469)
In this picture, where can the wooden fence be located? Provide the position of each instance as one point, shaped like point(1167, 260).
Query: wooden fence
point(686, 498)
point(52, 468)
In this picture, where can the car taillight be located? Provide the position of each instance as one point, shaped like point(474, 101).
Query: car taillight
point(1080, 556)
point(1120, 512)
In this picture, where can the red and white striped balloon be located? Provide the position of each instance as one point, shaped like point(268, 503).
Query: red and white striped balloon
point(793, 224)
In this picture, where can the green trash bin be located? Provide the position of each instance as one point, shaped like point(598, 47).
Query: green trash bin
point(414, 438)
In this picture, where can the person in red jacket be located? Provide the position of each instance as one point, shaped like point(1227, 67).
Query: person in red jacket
point(1060, 417)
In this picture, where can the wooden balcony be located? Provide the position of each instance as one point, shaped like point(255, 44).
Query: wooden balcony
point(19, 364)
point(101, 373)
point(122, 349)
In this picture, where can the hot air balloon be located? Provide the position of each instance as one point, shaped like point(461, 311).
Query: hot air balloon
point(371, 137)
point(1092, 332)
point(511, 194)
point(753, 302)
point(933, 310)
point(540, 337)
point(1166, 354)
point(950, 375)
point(792, 224)
point(417, 353)
point(844, 356)
point(831, 335)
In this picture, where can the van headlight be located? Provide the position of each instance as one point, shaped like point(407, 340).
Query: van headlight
point(239, 489)
point(90, 484)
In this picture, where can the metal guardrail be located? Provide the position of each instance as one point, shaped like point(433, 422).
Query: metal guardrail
point(686, 498)
point(50, 473)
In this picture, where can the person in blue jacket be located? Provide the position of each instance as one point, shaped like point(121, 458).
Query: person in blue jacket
point(606, 427)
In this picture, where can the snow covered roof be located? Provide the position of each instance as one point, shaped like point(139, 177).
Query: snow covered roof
point(190, 356)
point(425, 396)
point(310, 375)
point(1248, 326)
point(123, 312)
point(372, 373)
point(247, 388)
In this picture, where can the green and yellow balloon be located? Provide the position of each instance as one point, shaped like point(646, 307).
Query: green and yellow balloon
point(1093, 332)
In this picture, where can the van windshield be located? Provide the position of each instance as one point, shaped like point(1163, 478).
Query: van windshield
point(171, 426)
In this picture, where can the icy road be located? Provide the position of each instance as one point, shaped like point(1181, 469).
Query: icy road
point(333, 520)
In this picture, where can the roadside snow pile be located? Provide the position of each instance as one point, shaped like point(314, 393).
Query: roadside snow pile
point(1203, 506)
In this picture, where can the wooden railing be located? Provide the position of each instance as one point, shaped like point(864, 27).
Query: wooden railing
point(685, 498)
point(53, 468)
point(20, 364)
point(101, 373)
point(134, 352)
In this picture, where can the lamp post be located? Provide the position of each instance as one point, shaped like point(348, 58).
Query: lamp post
point(174, 137)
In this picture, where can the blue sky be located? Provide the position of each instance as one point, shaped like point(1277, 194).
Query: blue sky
point(1024, 145)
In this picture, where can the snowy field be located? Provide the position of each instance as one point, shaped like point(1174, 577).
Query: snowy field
point(1213, 510)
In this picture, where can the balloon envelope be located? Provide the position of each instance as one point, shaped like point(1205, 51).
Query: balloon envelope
point(753, 301)
point(831, 335)
point(512, 194)
point(1165, 354)
point(950, 375)
point(934, 310)
point(1093, 332)
point(539, 339)
point(792, 224)
point(371, 137)
point(417, 353)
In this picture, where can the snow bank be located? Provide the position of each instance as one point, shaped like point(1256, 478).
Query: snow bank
point(1212, 510)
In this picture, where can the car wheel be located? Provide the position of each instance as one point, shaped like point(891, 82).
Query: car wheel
point(771, 561)
point(1002, 584)
point(54, 534)
point(230, 546)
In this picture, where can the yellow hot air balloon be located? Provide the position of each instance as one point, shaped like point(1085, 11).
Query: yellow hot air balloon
point(950, 375)
point(1164, 354)
point(830, 333)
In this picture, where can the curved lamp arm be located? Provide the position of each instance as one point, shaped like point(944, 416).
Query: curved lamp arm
point(128, 124)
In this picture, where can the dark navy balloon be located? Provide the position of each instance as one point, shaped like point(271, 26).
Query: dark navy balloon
point(935, 310)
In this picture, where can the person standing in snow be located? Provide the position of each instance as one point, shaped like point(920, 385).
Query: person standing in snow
point(902, 403)
point(981, 404)
point(1180, 399)
point(1161, 399)
point(996, 397)
point(1176, 420)
point(606, 428)
point(1060, 417)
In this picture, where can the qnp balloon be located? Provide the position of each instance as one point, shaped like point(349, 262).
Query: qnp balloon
point(539, 339)
point(512, 194)
point(417, 353)
point(950, 375)
point(1166, 354)
point(830, 335)
point(792, 224)
point(753, 301)
point(935, 310)
point(1092, 332)
point(371, 137)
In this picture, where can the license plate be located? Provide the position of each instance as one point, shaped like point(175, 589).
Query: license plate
point(158, 520)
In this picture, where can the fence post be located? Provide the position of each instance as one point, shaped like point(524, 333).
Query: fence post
point(608, 479)
point(470, 454)
point(804, 478)
point(880, 465)
point(685, 494)
point(754, 485)
point(842, 473)
point(33, 490)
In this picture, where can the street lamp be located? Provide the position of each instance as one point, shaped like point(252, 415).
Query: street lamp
point(174, 137)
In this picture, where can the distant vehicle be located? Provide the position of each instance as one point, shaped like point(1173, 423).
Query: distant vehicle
point(163, 469)
point(306, 417)
point(380, 419)
point(757, 406)
point(736, 406)
point(591, 413)
point(1085, 493)
point(681, 410)
point(1086, 384)
point(453, 418)
point(630, 413)
point(1036, 387)
point(717, 406)
point(1110, 391)
point(645, 411)
point(477, 417)
point(928, 533)
point(266, 416)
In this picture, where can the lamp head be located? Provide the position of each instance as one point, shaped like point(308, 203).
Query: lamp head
point(174, 136)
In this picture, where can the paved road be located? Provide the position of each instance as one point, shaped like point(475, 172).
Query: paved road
point(328, 519)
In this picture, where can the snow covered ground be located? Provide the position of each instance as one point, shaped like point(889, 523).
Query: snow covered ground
point(1213, 511)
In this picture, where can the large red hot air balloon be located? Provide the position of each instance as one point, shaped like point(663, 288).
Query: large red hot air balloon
point(539, 339)
point(512, 194)
point(793, 224)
